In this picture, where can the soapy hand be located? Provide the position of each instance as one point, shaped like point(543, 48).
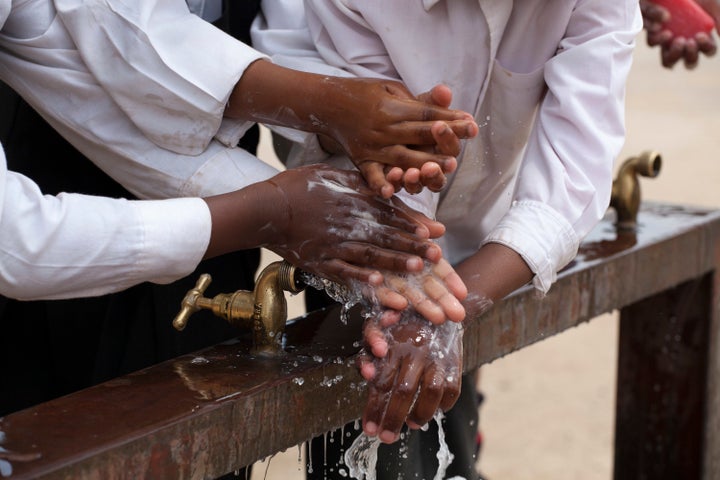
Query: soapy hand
point(332, 225)
point(420, 373)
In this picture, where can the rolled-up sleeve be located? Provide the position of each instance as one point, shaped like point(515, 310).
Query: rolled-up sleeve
point(564, 184)
point(76, 245)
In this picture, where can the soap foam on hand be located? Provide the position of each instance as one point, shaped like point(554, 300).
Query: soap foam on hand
point(687, 18)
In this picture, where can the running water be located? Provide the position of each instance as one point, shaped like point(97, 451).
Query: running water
point(347, 297)
point(361, 457)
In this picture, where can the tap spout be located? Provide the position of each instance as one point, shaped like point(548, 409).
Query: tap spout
point(625, 198)
point(264, 310)
point(270, 308)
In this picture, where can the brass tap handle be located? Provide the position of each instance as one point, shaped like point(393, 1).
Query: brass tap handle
point(189, 304)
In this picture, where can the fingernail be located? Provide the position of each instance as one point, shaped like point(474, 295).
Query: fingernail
point(375, 278)
point(414, 264)
point(371, 428)
point(413, 426)
point(387, 436)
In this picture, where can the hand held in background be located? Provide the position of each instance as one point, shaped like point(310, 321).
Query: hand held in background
point(687, 18)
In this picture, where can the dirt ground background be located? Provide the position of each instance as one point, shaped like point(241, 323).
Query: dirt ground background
point(549, 409)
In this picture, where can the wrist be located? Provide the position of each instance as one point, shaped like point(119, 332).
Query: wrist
point(252, 217)
point(276, 95)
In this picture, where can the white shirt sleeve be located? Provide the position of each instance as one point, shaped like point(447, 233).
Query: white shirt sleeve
point(76, 245)
point(170, 71)
point(136, 101)
point(564, 183)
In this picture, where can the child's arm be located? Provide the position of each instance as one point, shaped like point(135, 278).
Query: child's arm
point(57, 246)
point(377, 123)
point(326, 222)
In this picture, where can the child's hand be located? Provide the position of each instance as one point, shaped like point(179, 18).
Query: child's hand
point(676, 46)
point(435, 293)
point(391, 134)
point(431, 175)
point(420, 373)
point(329, 223)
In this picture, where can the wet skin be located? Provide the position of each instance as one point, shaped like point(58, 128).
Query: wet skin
point(377, 123)
point(328, 222)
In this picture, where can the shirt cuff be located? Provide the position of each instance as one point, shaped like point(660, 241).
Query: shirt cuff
point(231, 131)
point(227, 170)
point(176, 237)
point(305, 149)
point(541, 236)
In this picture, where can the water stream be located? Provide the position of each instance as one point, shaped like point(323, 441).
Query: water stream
point(361, 458)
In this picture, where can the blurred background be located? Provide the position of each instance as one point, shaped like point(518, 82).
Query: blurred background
point(549, 409)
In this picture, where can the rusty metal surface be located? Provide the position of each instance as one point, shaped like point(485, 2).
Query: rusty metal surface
point(661, 385)
point(203, 415)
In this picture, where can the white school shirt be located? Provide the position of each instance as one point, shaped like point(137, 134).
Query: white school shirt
point(120, 79)
point(143, 98)
point(544, 79)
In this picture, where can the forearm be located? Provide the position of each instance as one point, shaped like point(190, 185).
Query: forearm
point(492, 273)
point(248, 218)
point(272, 94)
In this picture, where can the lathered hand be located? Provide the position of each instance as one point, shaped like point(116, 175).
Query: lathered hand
point(329, 223)
point(420, 373)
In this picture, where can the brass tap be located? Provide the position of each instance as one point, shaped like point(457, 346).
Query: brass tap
point(625, 197)
point(264, 309)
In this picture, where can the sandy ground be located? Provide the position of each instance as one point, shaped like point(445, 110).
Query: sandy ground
point(549, 410)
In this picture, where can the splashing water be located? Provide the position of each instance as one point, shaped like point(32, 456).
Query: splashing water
point(347, 297)
point(361, 457)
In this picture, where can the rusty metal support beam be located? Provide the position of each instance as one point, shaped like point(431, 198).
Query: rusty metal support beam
point(203, 415)
point(662, 368)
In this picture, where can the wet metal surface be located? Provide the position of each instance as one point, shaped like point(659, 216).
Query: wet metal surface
point(209, 413)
